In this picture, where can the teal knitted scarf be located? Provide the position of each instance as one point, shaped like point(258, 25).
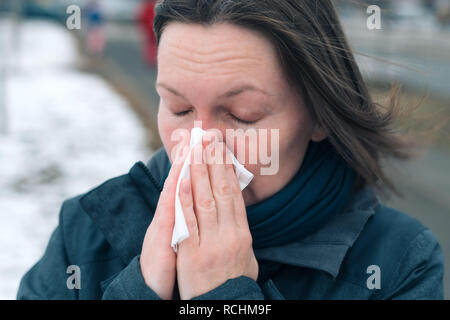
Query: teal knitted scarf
point(320, 189)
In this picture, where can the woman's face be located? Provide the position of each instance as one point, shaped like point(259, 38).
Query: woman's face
point(228, 77)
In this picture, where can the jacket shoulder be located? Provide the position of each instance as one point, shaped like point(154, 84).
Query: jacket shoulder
point(386, 235)
point(399, 246)
point(391, 226)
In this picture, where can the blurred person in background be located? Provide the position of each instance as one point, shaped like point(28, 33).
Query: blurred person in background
point(146, 15)
point(95, 39)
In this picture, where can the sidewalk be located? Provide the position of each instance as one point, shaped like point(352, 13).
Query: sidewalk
point(123, 65)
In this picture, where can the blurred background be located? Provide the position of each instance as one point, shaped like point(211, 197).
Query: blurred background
point(78, 106)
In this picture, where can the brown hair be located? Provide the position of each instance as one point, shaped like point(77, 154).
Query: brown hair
point(316, 58)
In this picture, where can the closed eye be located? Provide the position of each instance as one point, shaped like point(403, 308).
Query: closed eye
point(232, 116)
point(182, 113)
point(238, 120)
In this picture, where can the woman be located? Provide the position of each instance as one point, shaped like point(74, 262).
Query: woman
point(313, 230)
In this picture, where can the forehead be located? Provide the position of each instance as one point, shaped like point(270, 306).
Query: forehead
point(220, 50)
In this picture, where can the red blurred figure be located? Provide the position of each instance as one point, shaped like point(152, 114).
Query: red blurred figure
point(95, 41)
point(145, 18)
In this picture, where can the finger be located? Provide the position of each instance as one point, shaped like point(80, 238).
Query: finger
point(238, 199)
point(204, 204)
point(166, 202)
point(187, 203)
point(220, 184)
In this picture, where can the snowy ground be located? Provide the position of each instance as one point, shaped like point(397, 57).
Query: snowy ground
point(67, 132)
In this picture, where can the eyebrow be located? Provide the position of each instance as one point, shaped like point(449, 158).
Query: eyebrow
point(233, 92)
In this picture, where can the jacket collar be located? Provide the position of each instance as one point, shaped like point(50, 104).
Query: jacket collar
point(123, 208)
point(326, 248)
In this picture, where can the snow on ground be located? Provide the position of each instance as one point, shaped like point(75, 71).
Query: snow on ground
point(67, 132)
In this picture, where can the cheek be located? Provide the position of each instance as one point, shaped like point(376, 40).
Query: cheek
point(294, 141)
point(296, 135)
point(287, 144)
point(167, 124)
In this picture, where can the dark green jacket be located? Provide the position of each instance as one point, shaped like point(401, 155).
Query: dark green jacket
point(102, 232)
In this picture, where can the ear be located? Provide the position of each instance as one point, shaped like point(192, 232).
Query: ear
point(318, 134)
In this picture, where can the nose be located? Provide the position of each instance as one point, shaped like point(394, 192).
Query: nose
point(212, 126)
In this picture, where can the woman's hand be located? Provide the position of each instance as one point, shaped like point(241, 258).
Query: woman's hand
point(158, 260)
point(220, 244)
